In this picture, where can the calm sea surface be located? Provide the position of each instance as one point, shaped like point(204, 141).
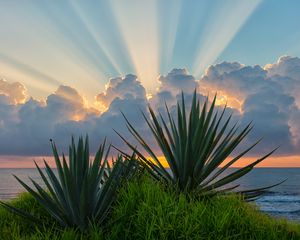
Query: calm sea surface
point(281, 201)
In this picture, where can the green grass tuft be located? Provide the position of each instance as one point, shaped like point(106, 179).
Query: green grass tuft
point(145, 209)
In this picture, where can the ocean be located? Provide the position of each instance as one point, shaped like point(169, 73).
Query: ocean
point(280, 201)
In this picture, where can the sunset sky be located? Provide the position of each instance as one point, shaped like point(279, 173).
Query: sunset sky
point(69, 67)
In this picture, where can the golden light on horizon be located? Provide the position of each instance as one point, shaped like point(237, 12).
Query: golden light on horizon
point(292, 161)
point(276, 161)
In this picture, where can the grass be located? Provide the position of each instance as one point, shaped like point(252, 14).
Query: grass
point(83, 191)
point(13, 227)
point(147, 210)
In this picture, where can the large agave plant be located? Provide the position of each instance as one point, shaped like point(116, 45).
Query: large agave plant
point(82, 191)
point(195, 147)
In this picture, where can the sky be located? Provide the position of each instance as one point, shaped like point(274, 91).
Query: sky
point(69, 67)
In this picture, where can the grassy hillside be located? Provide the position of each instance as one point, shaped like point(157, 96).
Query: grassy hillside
point(146, 210)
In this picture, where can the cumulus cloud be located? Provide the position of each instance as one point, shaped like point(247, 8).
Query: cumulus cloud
point(171, 86)
point(176, 81)
point(68, 103)
point(265, 95)
point(270, 112)
point(65, 113)
point(27, 127)
point(233, 80)
point(15, 92)
point(123, 88)
point(287, 73)
point(286, 66)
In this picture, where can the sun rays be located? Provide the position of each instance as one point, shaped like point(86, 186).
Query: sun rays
point(109, 39)
point(221, 27)
point(139, 28)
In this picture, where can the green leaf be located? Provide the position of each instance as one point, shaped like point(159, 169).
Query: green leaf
point(194, 146)
point(80, 193)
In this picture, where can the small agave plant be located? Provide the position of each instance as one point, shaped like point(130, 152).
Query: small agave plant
point(82, 191)
point(195, 147)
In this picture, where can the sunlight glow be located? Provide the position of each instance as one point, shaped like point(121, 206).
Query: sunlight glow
point(223, 98)
point(90, 43)
point(30, 81)
point(278, 161)
point(78, 117)
point(27, 161)
point(97, 38)
point(139, 28)
point(169, 14)
point(149, 96)
point(222, 26)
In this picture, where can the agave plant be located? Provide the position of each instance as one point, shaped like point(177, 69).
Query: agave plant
point(82, 191)
point(195, 149)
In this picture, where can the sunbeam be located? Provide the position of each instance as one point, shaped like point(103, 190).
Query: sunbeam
point(168, 13)
point(44, 47)
point(108, 39)
point(30, 79)
point(221, 27)
point(200, 88)
point(76, 36)
point(139, 27)
point(28, 70)
point(104, 52)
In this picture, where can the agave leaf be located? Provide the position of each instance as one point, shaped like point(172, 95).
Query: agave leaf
point(82, 191)
point(237, 174)
point(56, 186)
point(49, 204)
point(40, 199)
point(253, 194)
point(21, 213)
point(221, 157)
point(57, 162)
point(225, 167)
point(158, 170)
point(194, 146)
point(163, 143)
point(142, 142)
point(45, 180)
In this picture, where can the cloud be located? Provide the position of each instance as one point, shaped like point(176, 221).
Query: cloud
point(176, 81)
point(286, 66)
point(233, 79)
point(287, 73)
point(171, 86)
point(121, 87)
point(65, 113)
point(271, 113)
point(15, 92)
point(34, 122)
point(263, 94)
point(68, 103)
